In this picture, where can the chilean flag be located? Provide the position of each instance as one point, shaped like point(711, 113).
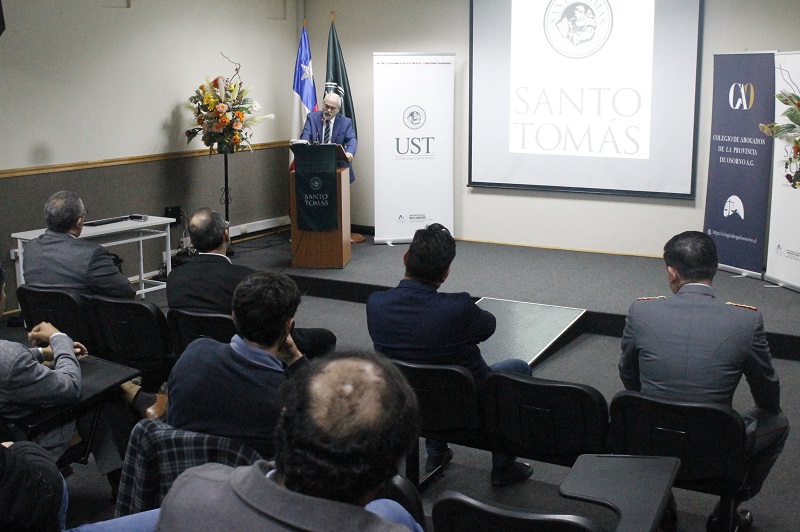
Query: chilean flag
point(304, 89)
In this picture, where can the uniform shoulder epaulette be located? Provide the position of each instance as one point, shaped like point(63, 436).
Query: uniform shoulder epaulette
point(651, 298)
point(740, 305)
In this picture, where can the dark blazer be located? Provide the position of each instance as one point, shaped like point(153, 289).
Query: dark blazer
point(205, 284)
point(59, 260)
point(219, 497)
point(693, 347)
point(31, 489)
point(417, 324)
point(343, 133)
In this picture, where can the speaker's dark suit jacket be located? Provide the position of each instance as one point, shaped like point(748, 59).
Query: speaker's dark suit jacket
point(59, 260)
point(206, 284)
point(343, 133)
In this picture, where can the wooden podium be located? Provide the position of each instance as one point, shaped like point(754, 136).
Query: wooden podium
point(320, 249)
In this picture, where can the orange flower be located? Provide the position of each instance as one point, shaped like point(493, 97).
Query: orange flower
point(236, 139)
point(239, 115)
point(224, 120)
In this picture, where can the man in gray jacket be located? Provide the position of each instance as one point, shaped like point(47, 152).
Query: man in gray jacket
point(693, 347)
point(59, 259)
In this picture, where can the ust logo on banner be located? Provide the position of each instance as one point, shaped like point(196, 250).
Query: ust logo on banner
point(413, 143)
point(742, 96)
point(414, 118)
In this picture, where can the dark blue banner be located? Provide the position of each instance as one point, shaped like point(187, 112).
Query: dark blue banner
point(740, 161)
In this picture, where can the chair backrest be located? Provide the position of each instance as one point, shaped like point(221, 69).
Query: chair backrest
point(708, 438)
point(403, 491)
point(133, 333)
point(455, 512)
point(67, 310)
point(187, 326)
point(449, 406)
point(157, 453)
point(547, 421)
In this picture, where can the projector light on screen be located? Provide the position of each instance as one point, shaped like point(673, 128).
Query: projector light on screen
point(570, 92)
point(591, 96)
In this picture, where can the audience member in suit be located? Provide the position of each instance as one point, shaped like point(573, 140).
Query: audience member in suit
point(58, 258)
point(693, 347)
point(33, 494)
point(26, 384)
point(232, 390)
point(416, 323)
point(346, 422)
point(206, 282)
point(315, 130)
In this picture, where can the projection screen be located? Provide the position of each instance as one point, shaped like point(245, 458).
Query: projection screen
point(595, 96)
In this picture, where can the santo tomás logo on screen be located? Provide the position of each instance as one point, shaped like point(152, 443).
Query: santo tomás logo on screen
point(577, 29)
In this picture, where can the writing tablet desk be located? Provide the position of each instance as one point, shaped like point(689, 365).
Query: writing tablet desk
point(114, 234)
point(100, 379)
point(636, 488)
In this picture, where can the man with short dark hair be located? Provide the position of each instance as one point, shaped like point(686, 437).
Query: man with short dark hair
point(231, 390)
point(416, 323)
point(693, 347)
point(346, 422)
point(207, 281)
point(59, 259)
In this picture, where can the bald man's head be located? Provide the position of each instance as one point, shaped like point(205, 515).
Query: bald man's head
point(346, 422)
point(331, 105)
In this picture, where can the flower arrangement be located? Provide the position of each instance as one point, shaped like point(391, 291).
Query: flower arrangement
point(221, 110)
point(790, 133)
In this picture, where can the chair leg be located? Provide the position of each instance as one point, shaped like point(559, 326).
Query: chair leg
point(727, 508)
point(90, 440)
point(412, 470)
point(412, 464)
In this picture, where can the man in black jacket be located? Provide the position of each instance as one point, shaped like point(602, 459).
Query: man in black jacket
point(206, 283)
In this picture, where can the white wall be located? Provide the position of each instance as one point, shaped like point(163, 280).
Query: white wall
point(80, 82)
point(575, 221)
point(83, 82)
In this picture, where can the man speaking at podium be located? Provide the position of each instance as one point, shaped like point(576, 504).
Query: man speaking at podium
point(329, 127)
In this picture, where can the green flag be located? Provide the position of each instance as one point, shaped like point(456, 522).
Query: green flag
point(336, 77)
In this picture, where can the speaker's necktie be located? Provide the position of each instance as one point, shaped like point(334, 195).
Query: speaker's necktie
point(327, 137)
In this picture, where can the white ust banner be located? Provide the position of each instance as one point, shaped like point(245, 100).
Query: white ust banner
point(783, 251)
point(413, 143)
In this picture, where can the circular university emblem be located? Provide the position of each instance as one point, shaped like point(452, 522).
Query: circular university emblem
point(315, 183)
point(414, 117)
point(577, 29)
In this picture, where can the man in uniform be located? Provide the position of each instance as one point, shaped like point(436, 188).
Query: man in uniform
point(693, 347)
